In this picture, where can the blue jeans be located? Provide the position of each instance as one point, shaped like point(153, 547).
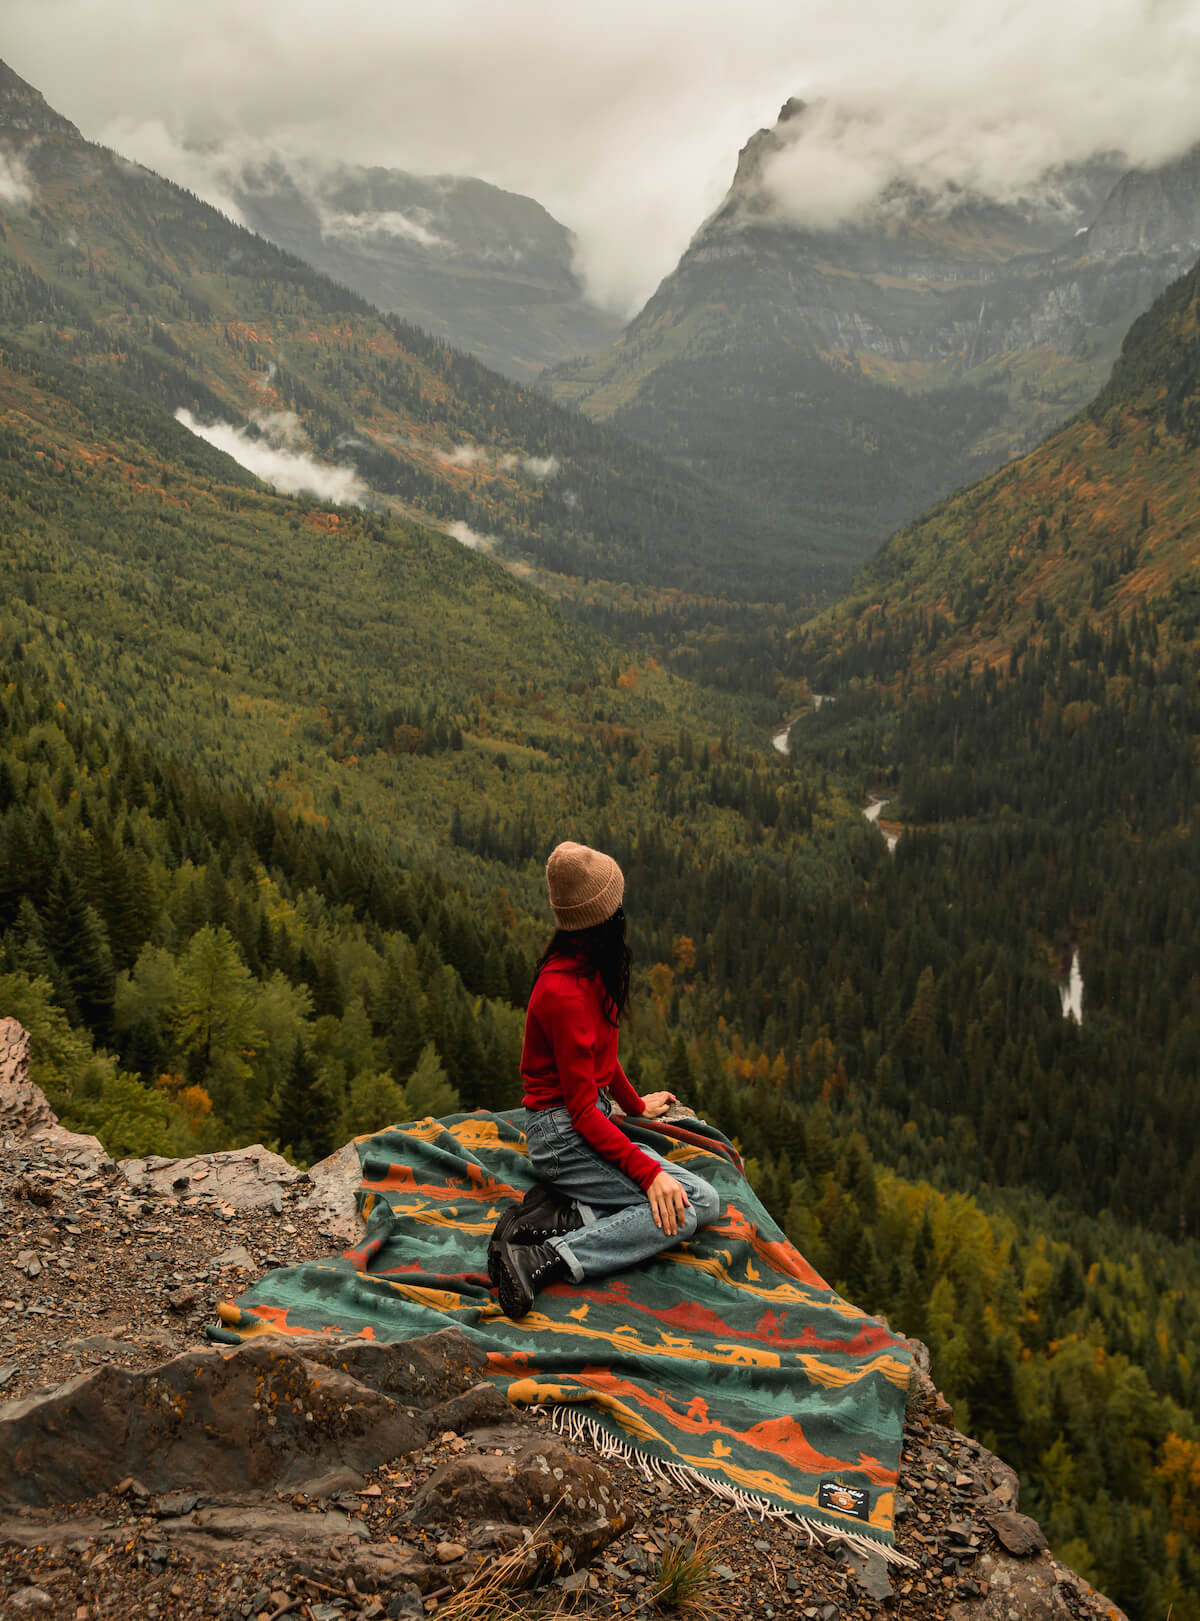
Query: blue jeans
point(618, 1224)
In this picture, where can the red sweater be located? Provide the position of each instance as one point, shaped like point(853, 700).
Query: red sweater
point(570, 1052)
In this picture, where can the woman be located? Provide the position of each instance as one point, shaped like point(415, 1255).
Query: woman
point(617, 1202)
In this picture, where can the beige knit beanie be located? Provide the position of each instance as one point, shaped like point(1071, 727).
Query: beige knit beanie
point(585, 885)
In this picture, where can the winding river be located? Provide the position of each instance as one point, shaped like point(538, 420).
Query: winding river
point(1070, 994)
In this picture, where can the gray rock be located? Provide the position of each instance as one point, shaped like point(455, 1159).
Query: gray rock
point(245, 1178)
point(1027, 1588)
point(870, 1573)
point(270, 1413)
point(30, 1601)
point(25, 1116)
point(336, 1182)
point(1018, 1534)
point(238, 1256)
point(406, 1603)
point(543, 1484)
point(229, 1533)
point(330, 1482)
point(475, 1409)
point(99, 1342)
point(172, 1504)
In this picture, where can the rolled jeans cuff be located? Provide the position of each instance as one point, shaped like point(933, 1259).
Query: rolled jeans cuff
point(564, 1249)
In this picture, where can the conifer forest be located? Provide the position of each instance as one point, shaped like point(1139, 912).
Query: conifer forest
point(278, 778)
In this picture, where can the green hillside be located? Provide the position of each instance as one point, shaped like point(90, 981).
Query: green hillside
point(277, 780)
point(104, 263)
point(1101, 523)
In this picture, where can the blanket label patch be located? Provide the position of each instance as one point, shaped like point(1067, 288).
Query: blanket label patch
point(844, 1499)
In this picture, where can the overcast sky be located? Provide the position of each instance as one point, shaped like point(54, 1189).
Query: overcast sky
point(623, 119)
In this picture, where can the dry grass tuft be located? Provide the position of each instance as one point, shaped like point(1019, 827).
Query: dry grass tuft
point(688, 1582)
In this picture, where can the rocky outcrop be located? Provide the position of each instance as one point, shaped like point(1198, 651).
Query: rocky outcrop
point(269, 1414)
point(26, 109)
point(252, 1178)
point(373, 1479)
point(26, 1116)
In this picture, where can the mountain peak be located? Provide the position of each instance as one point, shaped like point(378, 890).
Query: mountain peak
point(24, 108)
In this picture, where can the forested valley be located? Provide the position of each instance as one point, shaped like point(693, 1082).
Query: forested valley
point(277, 782)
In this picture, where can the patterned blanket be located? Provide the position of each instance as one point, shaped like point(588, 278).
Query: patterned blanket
point(727, 1363)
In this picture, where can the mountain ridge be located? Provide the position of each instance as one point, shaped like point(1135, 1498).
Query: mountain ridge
point(1100, 521)
point(488, 270)
point(113, 267)
point(851, 375)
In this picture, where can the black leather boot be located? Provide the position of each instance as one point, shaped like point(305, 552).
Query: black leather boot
point(525, 1270)
point(539, 1216)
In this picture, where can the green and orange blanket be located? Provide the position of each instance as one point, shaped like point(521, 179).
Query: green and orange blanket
point(726, 1363)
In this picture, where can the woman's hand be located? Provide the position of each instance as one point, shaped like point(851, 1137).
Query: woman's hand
point(657, 1103)
point(668, 1202)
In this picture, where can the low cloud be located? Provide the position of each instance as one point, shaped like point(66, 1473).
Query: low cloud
point(16, 183)
point(470, 538)
point(273, 458)
point(536, 467)
point(391, 222)
point(464, 456)
point(626, 126)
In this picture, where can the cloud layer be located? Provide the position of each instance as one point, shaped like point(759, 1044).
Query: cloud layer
point(16, 184)
point(276, 458)
point(623, 120)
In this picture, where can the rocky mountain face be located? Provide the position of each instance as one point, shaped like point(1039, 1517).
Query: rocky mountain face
point(486, 269)
point(143, 1471)
point(24, 108)
point(856, 373)
point(1097, 525)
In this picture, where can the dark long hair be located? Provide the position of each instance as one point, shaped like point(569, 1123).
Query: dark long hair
point(600, 950)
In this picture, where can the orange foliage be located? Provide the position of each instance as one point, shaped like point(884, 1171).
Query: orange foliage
point(1180, 1469)
point(662, 980)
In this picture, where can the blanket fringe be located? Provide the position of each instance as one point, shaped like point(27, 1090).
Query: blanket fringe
point(583, 1428)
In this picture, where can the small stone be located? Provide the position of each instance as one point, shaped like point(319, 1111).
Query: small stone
point(171, 1504)
point(183, 1299)
point(871, 1574)
point(447, 1552)
point(963, 1481)
point(238, 1256)
point(406, 1604)
point(1020, 1535)
point(30, 1600)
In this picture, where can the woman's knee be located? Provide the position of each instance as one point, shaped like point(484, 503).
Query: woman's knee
point(705, 1202)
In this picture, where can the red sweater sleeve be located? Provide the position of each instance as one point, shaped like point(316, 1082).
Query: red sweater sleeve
point(570, 1020)
point(624, 1092)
